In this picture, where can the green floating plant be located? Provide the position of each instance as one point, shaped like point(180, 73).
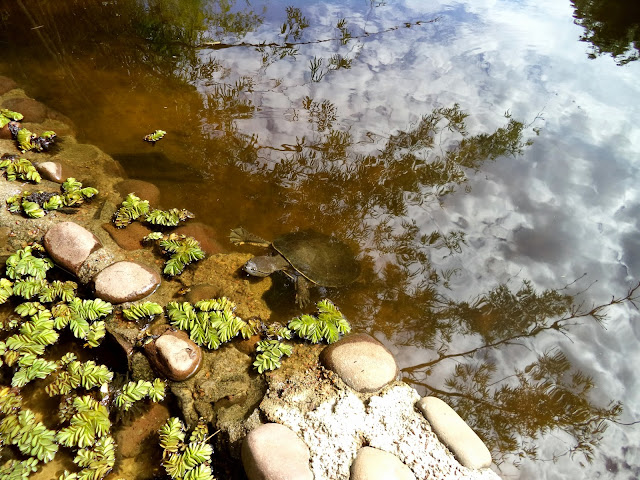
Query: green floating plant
point(73, 374)
point(19, 169)
point(30, 141)
point(182, 250)
point(7, 116)
point(89, 433)
point(271, 353)
point(24, 263)
point(31, 437)
point(6, 289)
point(327, 325)
point(83, 318)
point(185, 461)
point(210, 323)
point(74, 194)
point(133, 391)
point(37, 204)
point(19, 469)
point(168, 218)
point(155, 136)
point(145, 310)
point(131, 209)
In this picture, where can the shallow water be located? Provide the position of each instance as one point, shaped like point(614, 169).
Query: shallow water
point(384, 124)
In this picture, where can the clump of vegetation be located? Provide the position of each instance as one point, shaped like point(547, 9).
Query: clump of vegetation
point(37, 204)
point(185, 460)
point(7, 116)
point(133, 391)
point(28, 140)
point(270, 353)
point(182, 250)
point(134, 208)
point(327, 325)
point(19, 169)
point(210, 322)
point(155, 136)
point(145, 310)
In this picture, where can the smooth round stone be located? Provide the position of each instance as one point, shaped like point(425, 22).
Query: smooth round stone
point(129, 238)
point(361, 362)
point(53, 171)
point(69, 245)
point(454, 432)
point(125, 282)
point(204, 234)
point(274, 452)
point(374, 464)
point(174, 355)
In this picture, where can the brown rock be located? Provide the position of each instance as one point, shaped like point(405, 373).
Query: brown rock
point(174, 355)
point(33, 111)
point(126, 282)
point(54, 171)
point(5, 133)
point(142, 189)
point(128, 238)
point(361, 362)
point(69, 245)
point(6, 84)
point(130, 439)
point(274, 452)
point(204, 234)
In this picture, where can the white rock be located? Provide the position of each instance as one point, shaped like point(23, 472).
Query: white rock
point(374, 464)
point(274, 452)
point(454, 432)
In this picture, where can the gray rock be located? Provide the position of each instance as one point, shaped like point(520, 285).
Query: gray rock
point(274, 452)
point(361, 362)
point(454, 432)
point(69, 245)
point(125, 282)
point(374, 464)
point(174, 355)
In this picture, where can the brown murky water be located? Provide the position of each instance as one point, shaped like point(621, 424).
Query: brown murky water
point(384, 124)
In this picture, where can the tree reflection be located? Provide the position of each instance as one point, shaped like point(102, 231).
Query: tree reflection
point(611, 26)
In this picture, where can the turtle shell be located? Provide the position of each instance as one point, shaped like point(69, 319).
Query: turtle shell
point(320, 258)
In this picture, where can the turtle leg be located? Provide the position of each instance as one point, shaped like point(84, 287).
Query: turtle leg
point(239, 236)
point(303, 295)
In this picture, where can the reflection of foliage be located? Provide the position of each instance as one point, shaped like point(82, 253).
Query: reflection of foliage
point(612, 27)
point(294, 25)
point(322, 113)
point(548, 395)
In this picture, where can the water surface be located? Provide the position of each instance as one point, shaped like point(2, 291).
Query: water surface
point(480, 156)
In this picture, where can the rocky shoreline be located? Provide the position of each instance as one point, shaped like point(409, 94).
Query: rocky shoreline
point(328, 413)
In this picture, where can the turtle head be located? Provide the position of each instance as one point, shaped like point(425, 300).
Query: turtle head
point(265, 265)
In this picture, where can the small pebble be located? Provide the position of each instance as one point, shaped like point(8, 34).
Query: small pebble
point(174, 355)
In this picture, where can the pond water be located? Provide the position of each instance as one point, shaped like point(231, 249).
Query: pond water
point(480, 156)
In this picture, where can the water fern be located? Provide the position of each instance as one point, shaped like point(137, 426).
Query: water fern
point(185, 461)
point(327, 325)
point(133, 391)
point(271, 353)
point(145, 310)
point(19, 169)
point(132, 208)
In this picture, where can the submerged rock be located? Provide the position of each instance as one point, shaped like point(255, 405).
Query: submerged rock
point(126, 281)
point(374, 464)
point(130, 439)
point(174, 355)
point(454, 432)
point(53, 171)
point(144, 190)
point(129, 238)
point(361, 362)
point(69, 245)
point(274, 452)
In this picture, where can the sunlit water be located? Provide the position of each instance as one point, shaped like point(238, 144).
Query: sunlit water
point(280, 122)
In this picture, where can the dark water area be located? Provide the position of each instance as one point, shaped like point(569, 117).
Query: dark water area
point(481, 157)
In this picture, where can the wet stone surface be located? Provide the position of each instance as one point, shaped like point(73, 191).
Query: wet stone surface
point(174, 355)
point(274, 452)
point(374, 464)
point(54, 171)
point(126, 281)
point(361, 362)
point(129, 238)
point(70, 244)
point(454, 432)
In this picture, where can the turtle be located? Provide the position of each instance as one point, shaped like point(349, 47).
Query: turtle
point(306, 256)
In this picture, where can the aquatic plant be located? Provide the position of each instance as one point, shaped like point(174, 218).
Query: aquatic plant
point(155, 136)
point(327, 325)
point(28, 140)
point(19, 169)
point(181, 460)
point(139, 311)
point(271, 351)
point(133, 391)
point(72, 374)
point(31, 437)
point(24, 263)
point(37, 204)
point(182, 249)
point(83, 318)
point(132, 208)
point(210, 323)
point(7, 116)
point(168, 218)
